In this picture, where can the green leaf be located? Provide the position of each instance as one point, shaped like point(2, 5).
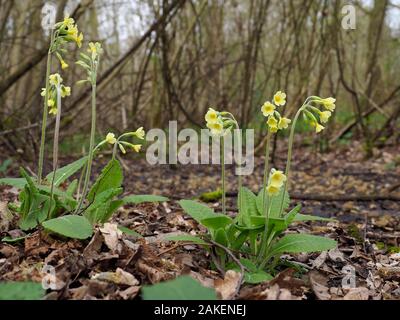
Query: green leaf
point(71, 226)
point(182, 288)
point(307, 217)
point(72, 188)
point(110, 178)
point(21, 291)
point(13, 240)
point(185, 238)
point(274, 203)
point(18, 183)
point(130, 232)
point(136, 199)
point(295, 243)
point(247, 205)
point(64, 173)
point(197, 210)
point(257, 277)
point(103, 207)
point(217, 222)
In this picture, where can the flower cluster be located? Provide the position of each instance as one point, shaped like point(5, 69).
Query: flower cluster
point(90, 63)
point(315, 116)
point(275, 121)
point(220, 123)
point(275, 182)
point(65, 31)
point(214, 122)
point(55, 82)
point(111, 139)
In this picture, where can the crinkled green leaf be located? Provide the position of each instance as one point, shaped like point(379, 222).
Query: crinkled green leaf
point(71, 226)
point(295, 243)
point(136, 199)
point(182, 288)
point(62, 174)
point(21, 291)
point(110, 178)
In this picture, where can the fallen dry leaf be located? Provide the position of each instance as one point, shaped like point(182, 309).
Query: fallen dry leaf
point(120, 277)
point(111, 235)
point(228, 286)
point(357, 294)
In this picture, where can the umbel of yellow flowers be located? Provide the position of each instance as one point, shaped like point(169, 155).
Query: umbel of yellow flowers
point(111, 139)
point(275, 121)
point(315, 116)
point(64, 32)
point(55, 80)
point(215, 122)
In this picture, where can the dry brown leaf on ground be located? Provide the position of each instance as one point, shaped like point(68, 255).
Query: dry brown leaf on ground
point(112, 235)
point(319, 285)
point(119, 277)
point(357, 294)
point(228, 287)
point(6, 217)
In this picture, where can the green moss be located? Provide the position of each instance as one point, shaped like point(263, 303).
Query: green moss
point(211, 196)
point(393, 249)
point(355, 233)
point(380, 245)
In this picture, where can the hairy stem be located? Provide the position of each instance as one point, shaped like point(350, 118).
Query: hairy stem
point(265, 197)
point(289, 156)
point(223, 174)
point(55, 145)
point(91, 148)
point(45, 111)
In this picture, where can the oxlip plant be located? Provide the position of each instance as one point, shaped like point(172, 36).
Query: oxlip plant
point(51, 202)
point(255, 239)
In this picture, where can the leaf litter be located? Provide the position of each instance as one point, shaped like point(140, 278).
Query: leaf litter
point(116, 265)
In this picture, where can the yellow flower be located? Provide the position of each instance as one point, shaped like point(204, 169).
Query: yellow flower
point(53, 111)
point(272, 190)
point(140, 133)
point(79, 39)
point(110, 138)
point(318, 128)
point(277, 178)
point(272, 122)
point(329, 103)
point(51, 103)
point(137, 147)
point(43, 92)
point(121, 147)
point(284, 123)
point(268, 109)
point(280, 98)
point(93, 50)
point(216, 128)
point(211, 116)
point(65, 91)
point(324, 116)
point(64, 65)
point(68, 22)
point(55, 79)
point(273, 129)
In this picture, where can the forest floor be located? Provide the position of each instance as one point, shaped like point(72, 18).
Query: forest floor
point(115, 266)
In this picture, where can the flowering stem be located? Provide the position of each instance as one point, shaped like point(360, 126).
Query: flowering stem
point(223, 174)
point(55, 145)
point(265, 197)
point(91, 148)
point(45, 111)
point(289, 156)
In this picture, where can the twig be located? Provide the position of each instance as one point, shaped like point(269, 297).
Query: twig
point(236, 260)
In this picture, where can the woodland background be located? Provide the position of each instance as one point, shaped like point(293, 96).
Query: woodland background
point(172, 59)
